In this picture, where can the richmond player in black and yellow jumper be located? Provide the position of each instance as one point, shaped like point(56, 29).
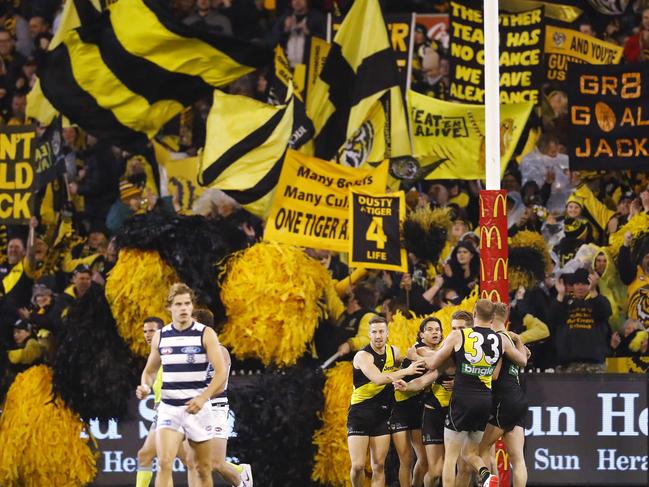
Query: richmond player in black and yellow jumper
point(375, 368)
point(476, 352)
point(437, 387)
point(406, 419)
point(509, 405)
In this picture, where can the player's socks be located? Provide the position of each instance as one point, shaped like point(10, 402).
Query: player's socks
point(143, 478)
point(238, 468)
point(483, 474)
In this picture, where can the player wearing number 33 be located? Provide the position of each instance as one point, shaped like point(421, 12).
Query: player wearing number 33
point(476, 352)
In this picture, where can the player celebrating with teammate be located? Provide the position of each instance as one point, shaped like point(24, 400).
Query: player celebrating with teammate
point(509, 406)
point(476, 351)
point(375, 368)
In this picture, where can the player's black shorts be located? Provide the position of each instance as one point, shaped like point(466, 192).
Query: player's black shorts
point(406, 415)
point(432, 429)
point(468, 411)
point(509, 410)
point(368, 421)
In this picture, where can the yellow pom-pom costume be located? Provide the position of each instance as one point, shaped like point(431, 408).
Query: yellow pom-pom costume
point(136, 288)
point(40, 437)
point(271, 294)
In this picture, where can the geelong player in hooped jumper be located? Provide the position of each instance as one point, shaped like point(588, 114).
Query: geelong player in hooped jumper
point(184, 348)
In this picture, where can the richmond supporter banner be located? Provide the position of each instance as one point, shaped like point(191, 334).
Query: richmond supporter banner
point(521, 41)
point(376, 231)
point(17, 173)
point(609, 116)
point(565, 46)
point(49, 161)
point(449, 137)
point(311, 203)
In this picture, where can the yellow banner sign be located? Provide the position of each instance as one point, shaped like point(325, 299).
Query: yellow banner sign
point(311, 203)
point(449, 137)
point(17, 175)
point(563, 46)
point(376, 222)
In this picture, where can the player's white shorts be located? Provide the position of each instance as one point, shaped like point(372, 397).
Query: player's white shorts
point(220, 414)
point(196, 427)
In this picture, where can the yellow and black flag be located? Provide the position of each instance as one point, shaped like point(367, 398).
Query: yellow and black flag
point(359, 70)
point(126, 71)
point(245, 145)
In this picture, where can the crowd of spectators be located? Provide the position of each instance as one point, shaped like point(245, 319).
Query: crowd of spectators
point(584, 299)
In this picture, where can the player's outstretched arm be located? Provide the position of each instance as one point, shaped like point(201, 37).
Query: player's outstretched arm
point(150, 369)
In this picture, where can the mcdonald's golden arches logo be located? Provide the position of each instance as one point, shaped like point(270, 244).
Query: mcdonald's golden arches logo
point(484, 294)
point(487, 232)
point(505, 458)
point(502, 265)
point(503, 205)
point(500, 198)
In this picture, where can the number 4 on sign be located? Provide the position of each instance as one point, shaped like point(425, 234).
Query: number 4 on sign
point(375, 232)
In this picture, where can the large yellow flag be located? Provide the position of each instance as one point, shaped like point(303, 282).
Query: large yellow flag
point(244, 149)
point(124, 73)
point(449, 137)
point(360, 70)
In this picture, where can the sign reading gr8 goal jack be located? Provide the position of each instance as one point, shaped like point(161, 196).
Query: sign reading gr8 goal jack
point(376, 231)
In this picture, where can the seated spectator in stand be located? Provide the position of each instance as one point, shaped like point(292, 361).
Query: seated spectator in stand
point(636, 47)
point(15, 286)
point(293, 29)
point(585, 26)
point(81, 283)
point(545, 165)
point(38, 25)
point(17, 28)
point(45, 314)
point(633, 266)
point(462, 270)
point(581, 323)
point(577, 232)
point(208, 18)
point(337, 269)
point(98, 181)
point(632, 342)
point(25, 351)
point(348, 328)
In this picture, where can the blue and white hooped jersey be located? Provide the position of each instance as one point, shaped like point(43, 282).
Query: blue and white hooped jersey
point(184, 363)
point(222, 398)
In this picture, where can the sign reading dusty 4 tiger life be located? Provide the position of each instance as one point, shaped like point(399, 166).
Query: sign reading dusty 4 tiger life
point(16, 173)
point(609, 116)
point(376, 231)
